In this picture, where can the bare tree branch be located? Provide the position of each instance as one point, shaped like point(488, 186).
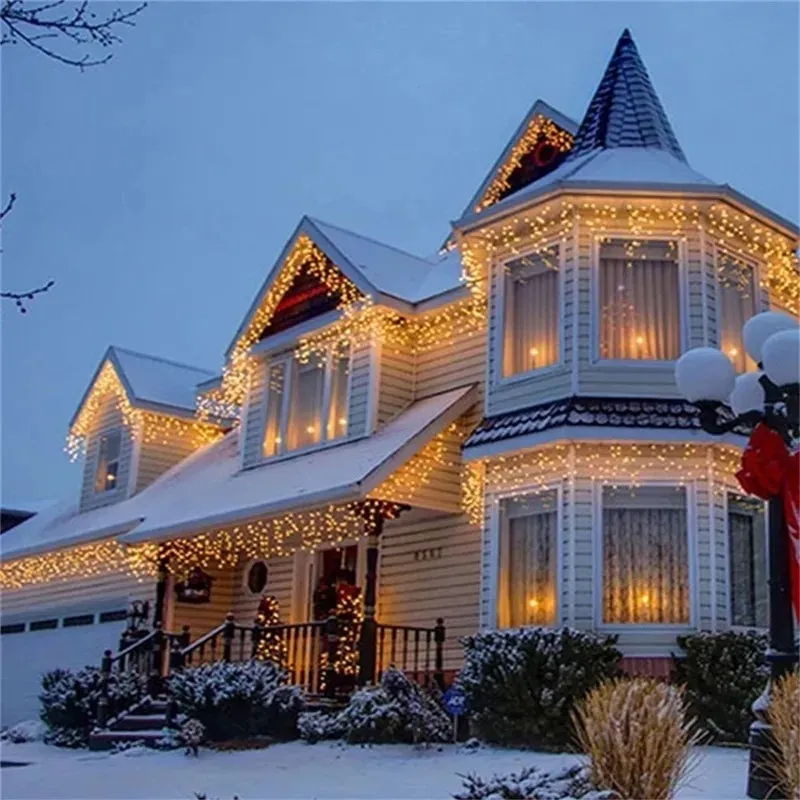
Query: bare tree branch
point(66, 24)
point(19, 298)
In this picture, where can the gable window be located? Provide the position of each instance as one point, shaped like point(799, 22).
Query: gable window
point(108, 458)
point(306, 404)
point(527, 578)
point(738, 302)
point(645, 561)
point(747, 556)
point(531, 318)
point(639, 301)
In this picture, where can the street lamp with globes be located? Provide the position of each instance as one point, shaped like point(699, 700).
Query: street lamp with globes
point(727, 402)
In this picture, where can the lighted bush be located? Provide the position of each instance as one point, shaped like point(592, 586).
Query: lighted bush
point(238, 700)
point(637, 736)
point(69, 702)
point(521, 684)
point(723, 673)
point(784, 716)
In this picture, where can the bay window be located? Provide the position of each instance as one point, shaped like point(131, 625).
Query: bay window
point(306, 404)
point(737, 303)
point(645, 556)
point(527, 577)
point(639, 301)
point(747, 557)
point(531, 313)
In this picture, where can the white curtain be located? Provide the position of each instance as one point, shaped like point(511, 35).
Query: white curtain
point(531, 317)
point(276, 379)
point(527, 586)
point(737, 293)
point(645, 557)
point(747, 552)
point(337, 408)
point(639, 302)
point(305, 414)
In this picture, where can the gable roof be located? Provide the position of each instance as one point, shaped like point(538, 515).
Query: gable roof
point(150, 381)
point(625, 110)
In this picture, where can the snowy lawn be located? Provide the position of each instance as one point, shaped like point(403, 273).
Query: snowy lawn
point(299, 770)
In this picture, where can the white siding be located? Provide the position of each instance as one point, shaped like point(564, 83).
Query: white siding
point(254, 414)
point(159, 455)
point(396, 382)
point(279, 585)
point(359, 421)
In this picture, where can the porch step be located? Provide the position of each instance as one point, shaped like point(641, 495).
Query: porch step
point(139, 722)
point(318, 702)
point(105, 740)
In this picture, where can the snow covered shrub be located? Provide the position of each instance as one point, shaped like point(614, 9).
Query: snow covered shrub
point(315, 726)
point(637, 736)
point(521, 684)
point(533, 784)
point(69, 701)
point(784, 716)
point(31, 730)
point(396, 710)
point(191, 735)
point(724, 673)
point(238, 700)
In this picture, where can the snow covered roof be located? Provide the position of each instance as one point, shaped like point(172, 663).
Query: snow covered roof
point(150, 381)
point(210, 488)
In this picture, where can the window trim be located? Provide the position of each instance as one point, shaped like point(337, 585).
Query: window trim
point(730, 490)
point(499, 278)
point(497, 524)
point(690, 496)
point(246, 575)
point(290, 365)
point(117, 483)
point(594, 312)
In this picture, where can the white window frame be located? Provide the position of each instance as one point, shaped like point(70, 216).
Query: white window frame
point(731, 490)
point(290, 366)
point(499, 279)
point(760, 303)
point(595, 359)
point(117, 483)
point(690, 496)
point(497, 525)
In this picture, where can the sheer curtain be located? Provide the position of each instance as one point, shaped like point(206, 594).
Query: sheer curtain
point(639, 301)
point(645, 556)
point(527, 586)
point(305, 413)
point(276, 379)
point(337, 405)
point(531, 314)
point(737, 295)
point(747, 553)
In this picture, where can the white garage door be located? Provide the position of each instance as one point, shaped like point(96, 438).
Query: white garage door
point(46, 640)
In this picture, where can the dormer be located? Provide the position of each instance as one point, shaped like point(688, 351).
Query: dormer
point(136, 420)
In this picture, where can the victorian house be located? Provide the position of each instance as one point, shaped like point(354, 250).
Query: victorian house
point(490, 437)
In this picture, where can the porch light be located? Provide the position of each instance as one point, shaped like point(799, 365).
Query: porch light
point(765, 402)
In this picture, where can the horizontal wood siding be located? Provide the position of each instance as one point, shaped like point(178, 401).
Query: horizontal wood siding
point(396, 382)
point(109, 419)
point(254, 417)
point(359, 422)
point(203, 617)
point(415, 592)
point(551, 382)
point(156, 457)
point(280, 575)
point(458, 361)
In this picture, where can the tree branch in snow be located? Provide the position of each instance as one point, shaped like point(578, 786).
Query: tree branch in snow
point(52, 28)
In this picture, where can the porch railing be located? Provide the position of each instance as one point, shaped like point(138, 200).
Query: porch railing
point(419, 652)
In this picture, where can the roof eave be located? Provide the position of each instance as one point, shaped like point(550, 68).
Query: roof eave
point(111, 356)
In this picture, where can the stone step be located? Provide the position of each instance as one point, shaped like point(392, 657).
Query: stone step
point(139, 722)
point(105, 740)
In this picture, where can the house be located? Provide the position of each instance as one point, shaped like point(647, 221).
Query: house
point(491, 436)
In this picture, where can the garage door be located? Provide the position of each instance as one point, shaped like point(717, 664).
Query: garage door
point(47, 640)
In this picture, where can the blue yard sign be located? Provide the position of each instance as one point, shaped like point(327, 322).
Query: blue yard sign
point(454, 700)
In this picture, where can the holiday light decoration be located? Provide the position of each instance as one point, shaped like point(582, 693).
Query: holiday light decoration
point(271, 644)
point(349, 615)
point(539, 127)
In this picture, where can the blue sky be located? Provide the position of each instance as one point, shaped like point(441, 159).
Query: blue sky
point(158, 190)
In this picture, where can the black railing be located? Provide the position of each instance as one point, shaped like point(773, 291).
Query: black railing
point(418, 652)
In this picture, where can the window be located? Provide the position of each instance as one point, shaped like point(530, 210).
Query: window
point(639, 301)
point(527, 580)
point(645, 558)
point(108, 462)
point(531, 313)
point(113, 616)
point(14, 627)
point(43, 625)
point(747, 556)
point(257, 575)
point(306, 403)
point(80, 619)
point(738, 302)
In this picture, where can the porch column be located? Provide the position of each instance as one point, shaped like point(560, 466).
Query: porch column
point(161, 593)
point(368, 642)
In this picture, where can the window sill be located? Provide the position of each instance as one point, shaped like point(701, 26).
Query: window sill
point(646, 627)
point(304, 451)
point(521, 377)
point(632, 363)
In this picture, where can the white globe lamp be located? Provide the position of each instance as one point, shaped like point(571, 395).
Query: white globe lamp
point(705, 373)
point(780, 357)
point(759, 328)
point(747, 394)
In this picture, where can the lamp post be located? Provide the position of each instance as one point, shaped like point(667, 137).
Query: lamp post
point(768, 399)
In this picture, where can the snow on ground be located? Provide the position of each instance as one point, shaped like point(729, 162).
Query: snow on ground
point(298, 770)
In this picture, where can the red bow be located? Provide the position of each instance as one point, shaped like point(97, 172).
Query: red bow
point(764, 463)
